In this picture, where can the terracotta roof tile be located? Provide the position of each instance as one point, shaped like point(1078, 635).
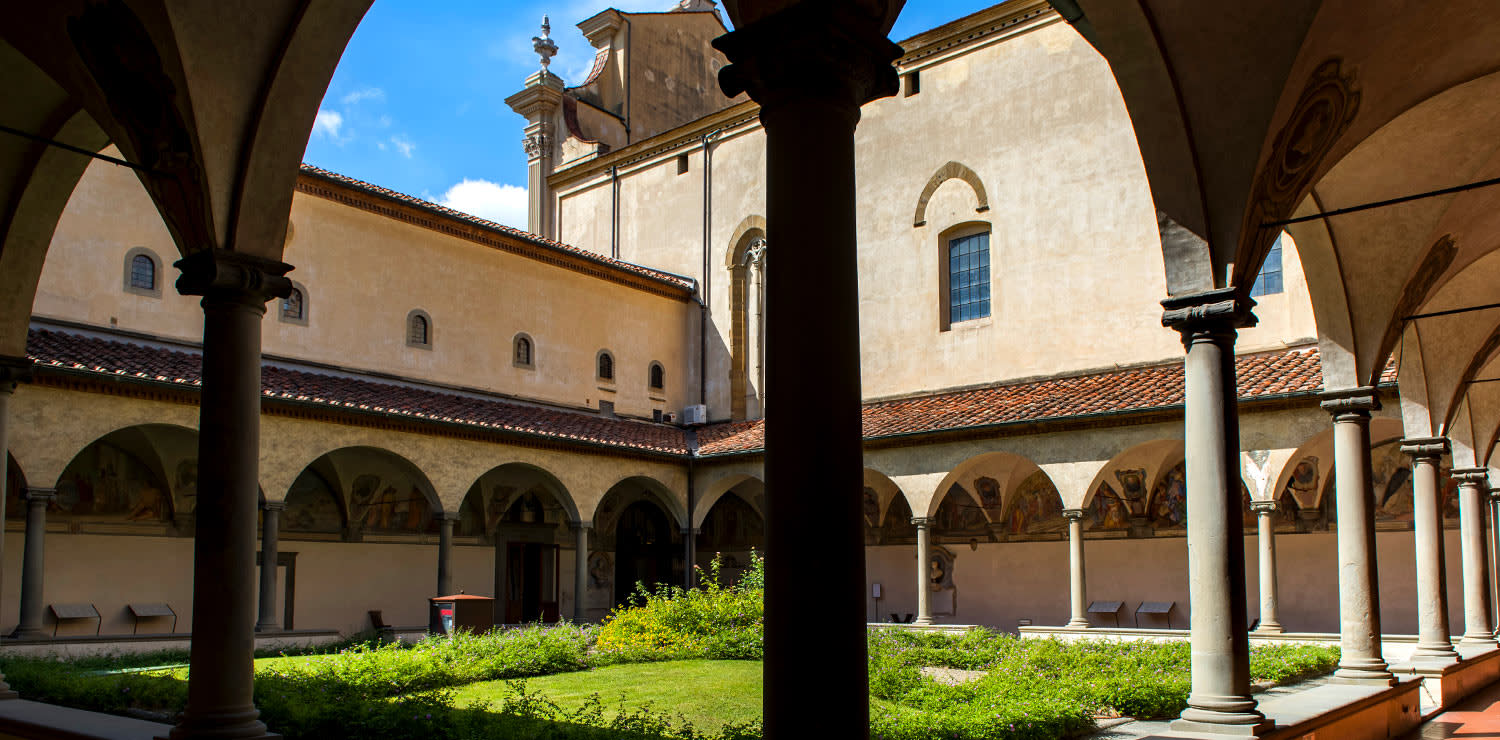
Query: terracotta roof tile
point(160, 365)
point(1158, 387)
point(672, 279)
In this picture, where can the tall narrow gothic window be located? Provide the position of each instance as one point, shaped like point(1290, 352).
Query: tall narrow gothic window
point(606, 366)
point(1268, 282)
point(142, 272)
point(968, 277)
point(418, 330)
point(658, 377)
point(291, 306)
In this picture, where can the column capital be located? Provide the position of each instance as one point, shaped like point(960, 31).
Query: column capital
point(1263, 507)
point(825, 52)
point(1494, 494)
point(1350, 401)
point(1479, 476)
point(577, 524)
point(14, 370)
point(273, 505)
point(1425, 448)
point(921, 522)
point(222, 275)
point(39, 496)
point(691, 531)
point(448, 516)
point(1208, 315)
point(1073, 514)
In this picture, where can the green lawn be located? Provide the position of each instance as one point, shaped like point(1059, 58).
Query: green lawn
point(710, 693)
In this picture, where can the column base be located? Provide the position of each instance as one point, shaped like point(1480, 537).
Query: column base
point(30, 633)
point(1363, 677)
point(922, 621)
point(1428, 656)
point(1077, 623)
point(269, 627)
point(1482, 640)
point(1269, 628)
point(1199, 728)
point(235, 726)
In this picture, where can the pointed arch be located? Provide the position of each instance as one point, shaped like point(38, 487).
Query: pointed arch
point(951, 171)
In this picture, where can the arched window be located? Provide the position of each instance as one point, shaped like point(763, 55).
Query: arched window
point(524, 352)
point(658, 377)
point(291, 306)
point(419, 329)
point(606, 366)
point(142, 272)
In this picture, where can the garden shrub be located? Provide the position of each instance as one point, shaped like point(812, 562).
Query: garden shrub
point(718, 621)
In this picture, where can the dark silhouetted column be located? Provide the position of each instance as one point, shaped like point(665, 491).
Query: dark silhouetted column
point(1361, 659)
point(33, 624)
point(1433, 642)
point(235, 288)
point(445, 553)
point(1220, 701)
point(270, 533)
point(581, 573)
point(12, 371)
point(1473, 489)
point(1265, 533)
point(810, 67)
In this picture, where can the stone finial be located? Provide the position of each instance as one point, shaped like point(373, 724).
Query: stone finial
point(543, 45)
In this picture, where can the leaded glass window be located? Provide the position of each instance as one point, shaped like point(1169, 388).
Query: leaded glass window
point(968, 277)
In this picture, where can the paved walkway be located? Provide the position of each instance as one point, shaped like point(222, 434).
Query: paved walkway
point(1476, 718)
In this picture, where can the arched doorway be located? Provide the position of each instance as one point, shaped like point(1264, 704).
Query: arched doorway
point(731, 531)
point(643, 550)
point(525, 511)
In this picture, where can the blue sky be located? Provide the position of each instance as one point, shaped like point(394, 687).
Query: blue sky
point(418, 101)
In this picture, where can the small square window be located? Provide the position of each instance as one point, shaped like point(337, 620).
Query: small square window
point(682, 164)
point(913, 83)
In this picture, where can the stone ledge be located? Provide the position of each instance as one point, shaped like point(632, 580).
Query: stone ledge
point(82, 645)
point(28, 720)
point(1334, 711)
point(1444, 686)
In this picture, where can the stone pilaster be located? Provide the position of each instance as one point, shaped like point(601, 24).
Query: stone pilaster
point(1361, 660)
point(1473, 489)
point(1220, 701)
point(1433, 642)
point(581, 572)
point(235, 288)
point(1077, 589)
point(33, 566)
point(540, 102)
point(924, 554)
point(270, 537)
point(811, 66)
point(13, 370)
point(1270, 622)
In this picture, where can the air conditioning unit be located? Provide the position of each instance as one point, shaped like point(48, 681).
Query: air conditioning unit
point(695, 414)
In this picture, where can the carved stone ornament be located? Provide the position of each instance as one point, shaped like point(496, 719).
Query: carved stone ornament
point(536, 144)
point(1263, 507)
point(13, 370)
point(1425, 448)
point(810, 52)
point(543, 45)
point(921, 522)
point(1359, 401)
point(1479, 476)
point(1214, 312)
point(1071, 514)
point(218, 274)
point(273, 505)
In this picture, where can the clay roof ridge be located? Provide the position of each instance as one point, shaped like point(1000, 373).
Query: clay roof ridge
point(680, 281)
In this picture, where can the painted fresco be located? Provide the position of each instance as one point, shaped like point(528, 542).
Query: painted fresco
point(1287, 510)
point(1169, 501)
point(1133, 490)
point(897, 527)
point(871, 506)
point(960, 516)
point(732, 525)
point(107, 481)
point(1036, 508)
point(185, 486)
point(1107, 510)
point(379, 506)
point(989, 492)
point(1303, 483)
point(312, 506)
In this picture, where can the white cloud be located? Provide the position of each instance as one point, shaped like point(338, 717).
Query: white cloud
point(328, 123)
point(403, 145)
point(368, 93)
point(504, 204)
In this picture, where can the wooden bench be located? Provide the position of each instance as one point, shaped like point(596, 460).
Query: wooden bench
point(151, 611)
point(73, 612)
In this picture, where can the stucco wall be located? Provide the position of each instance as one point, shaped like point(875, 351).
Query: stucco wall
point(999, 584)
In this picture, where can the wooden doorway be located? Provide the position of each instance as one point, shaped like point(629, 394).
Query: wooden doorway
point(527, 568)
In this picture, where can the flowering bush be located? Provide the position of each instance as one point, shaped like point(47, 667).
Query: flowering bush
point(718, 620)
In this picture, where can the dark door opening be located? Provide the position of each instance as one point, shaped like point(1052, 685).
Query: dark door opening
point(643, 550)
point(528, 583)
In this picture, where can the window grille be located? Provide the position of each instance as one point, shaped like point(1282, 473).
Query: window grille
point(523, 351)
point(658, 377)
point(606, 366)
point(417, 331)
point(143, 272)
point(968, 278)
point(1268, 282)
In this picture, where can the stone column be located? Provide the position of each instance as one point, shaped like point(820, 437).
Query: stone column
point(924, 554)
point(1362, 660)
point(235, 288)
point(1265, 532)
point(270, 534)
point(33, 624)
point(689, 555)
point(811, 66)
point(12, 371)
point(1077, 592)
point(1473, 490)
point(581, 573)
point(1433, 642)
point(445, 553)
point(1220, 701)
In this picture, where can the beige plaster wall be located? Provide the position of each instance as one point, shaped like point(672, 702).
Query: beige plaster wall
point(362, 274)
point(1001, 583)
